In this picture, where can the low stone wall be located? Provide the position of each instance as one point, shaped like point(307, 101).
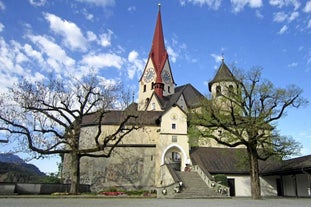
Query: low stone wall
point(7, 188)
point(36, 189)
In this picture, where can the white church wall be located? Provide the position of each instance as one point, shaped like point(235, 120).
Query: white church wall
point(243, 186)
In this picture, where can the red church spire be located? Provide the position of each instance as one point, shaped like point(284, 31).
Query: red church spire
point(158, 54)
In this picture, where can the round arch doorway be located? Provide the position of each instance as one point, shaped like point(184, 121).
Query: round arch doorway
point(175, 157)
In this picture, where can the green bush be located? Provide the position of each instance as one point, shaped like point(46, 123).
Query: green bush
point(221, 179)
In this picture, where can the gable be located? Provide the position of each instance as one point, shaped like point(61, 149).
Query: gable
point(174, 116)
point(154, 104)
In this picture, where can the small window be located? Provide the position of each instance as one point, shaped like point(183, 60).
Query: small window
point(168, 89)
point(173, 126)
point(145, 88)
point(231, 90)
point(153, 106)
point(218, 90)
point(152, 85)
point(174, 138)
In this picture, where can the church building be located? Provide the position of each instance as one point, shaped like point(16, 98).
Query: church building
point(158, 155)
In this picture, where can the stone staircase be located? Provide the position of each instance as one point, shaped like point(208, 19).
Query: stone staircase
point(195, 187)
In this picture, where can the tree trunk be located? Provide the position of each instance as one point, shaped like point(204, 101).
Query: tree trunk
point(75, 173)
point(254, 174)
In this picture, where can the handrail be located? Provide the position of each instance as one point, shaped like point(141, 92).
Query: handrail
point(207, 177)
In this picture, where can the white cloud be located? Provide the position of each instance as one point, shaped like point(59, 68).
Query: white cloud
point(282, 16)
point(279, 17)
point(101, 3)
point(91, 36)
point(213, 4)
point(102, 60)
point(1, 27)
point(217, 58)
point(259, 15)
point(293, 65)
point(281, 3)
point(131, 9)
point(34, 54)
point(309, 24)
point(135, 64)
point(87, 15)
point(56, 56)
point(238, 5)
point(37, 2)
point(172, 54)
point(307, 8)
point(73, 37)
point(132, 56)
point(105, 39)
point(293, 16)
point(2, 6)
point(283, 29)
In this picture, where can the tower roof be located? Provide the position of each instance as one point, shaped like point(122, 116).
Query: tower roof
point(223, 74)
point(158, 53)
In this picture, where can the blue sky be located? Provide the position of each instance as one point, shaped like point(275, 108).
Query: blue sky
point(114, 38)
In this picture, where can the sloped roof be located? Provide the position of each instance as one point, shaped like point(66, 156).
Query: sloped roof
point(290, 166)
point(220, 160)
point(231, 161)
point(158, 53)
point(223, 74)
point(117, 117)
point(191, 96)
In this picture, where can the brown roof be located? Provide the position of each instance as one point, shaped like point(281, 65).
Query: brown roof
point(223, 74)
point(292, 166)
point(191, 96)
point(220, 160)
point(234, 161)
point(117, 117)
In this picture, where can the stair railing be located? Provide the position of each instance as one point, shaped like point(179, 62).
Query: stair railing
point(209, 180)
point(171, 183)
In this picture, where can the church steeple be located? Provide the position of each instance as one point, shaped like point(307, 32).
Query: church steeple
point(158, 54)
point(157, 80)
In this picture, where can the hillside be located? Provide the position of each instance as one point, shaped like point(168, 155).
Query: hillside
point(15, 169)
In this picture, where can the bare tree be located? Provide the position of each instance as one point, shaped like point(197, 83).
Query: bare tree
point(246, 117)
point(48, 116)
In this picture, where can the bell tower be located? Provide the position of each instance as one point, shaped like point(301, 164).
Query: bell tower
point(157, 78)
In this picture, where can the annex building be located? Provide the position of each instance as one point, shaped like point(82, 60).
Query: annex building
point(159, 156)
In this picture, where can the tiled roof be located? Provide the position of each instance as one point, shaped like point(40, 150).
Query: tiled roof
point(116, 117)
point(295, 165)
point(223, 74)
point(234, 161)
point(220, 160)
point(191, 96)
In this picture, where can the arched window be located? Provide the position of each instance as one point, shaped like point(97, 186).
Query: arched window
point(218, 91)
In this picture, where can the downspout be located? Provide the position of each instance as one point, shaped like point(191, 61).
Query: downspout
point(295, 185)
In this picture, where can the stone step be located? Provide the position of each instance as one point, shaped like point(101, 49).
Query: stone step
point(195, 187)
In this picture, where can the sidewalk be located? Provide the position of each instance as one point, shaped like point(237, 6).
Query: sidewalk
point(52, 201)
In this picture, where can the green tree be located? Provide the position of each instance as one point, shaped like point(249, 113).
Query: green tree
point(47, 118)
point(246, 117)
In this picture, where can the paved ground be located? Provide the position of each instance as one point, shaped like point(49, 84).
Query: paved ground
point(123, 202)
